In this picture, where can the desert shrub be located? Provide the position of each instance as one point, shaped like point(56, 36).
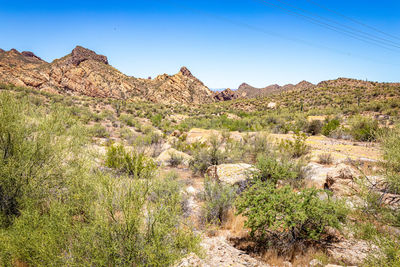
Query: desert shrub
point(149, 137)
point(127, 134)
point(251, 147)
point(218, 199)
point(57, 211)
point(389, 254)
point(364, 129)
point(129, 120)
point(134, 163)
point(212, 154)
point(286, 214)
point(314, 127)
point(391, 158)
point(330, 126)
point(32, 149)
point(325, 158)
point(174, 160)
point(156, 119)
point(295, 148)
point(270, 169)
point(366, 231)
point(98, 130)
point(138, 222)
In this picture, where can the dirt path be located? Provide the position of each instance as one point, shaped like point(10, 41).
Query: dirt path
point(218, 251)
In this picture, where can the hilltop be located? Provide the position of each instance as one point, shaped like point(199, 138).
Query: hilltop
point(83, 72)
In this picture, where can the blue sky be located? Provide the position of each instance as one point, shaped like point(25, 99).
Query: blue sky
point(223, 43)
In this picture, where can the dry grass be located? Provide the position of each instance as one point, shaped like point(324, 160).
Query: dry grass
point(234, 223)
point(299, 259)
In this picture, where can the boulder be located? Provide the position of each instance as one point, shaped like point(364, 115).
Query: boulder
point(339, 178)
point(230, 173)
point(351, 252)
point(192, 260)
point(164, 158)
point(271, 105)
point(176, 133)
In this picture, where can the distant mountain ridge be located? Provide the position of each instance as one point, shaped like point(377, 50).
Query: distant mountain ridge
point(83, 72)
point(247, 91)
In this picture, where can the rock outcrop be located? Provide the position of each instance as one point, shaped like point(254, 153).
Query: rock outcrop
point(80, 54)
point(83, 72)
point(230, 173)
point(225, 95)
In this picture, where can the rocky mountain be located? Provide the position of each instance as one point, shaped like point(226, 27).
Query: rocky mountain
point(225, 95)
point(247, 91)
point(83, 72)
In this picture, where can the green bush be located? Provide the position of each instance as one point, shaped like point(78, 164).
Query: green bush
point(218, 199)
point(314, 127)
point(330, 126)
point(389, 255)
point(391, 155)
point(135, 163)
point(295, 148)
point(287, 214)
point(270, 169)
point(57, 211)
point(156, 120)
point(364, 129)
point(129, 120)
point(212, 154)
point(99, 130)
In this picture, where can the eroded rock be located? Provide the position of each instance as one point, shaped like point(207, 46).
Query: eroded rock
point(230, 173)
point(165, 157)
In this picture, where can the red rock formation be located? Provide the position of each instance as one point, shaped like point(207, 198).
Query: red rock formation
point(225, 95)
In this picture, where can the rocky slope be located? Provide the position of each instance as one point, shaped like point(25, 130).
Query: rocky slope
point(83, 72)
point(247, 91)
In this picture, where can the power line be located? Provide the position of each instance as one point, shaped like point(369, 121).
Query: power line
point(375, 37)
point(326, 25)
point(353, 20)
point(271, 33)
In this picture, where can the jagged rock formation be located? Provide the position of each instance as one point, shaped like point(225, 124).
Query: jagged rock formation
point(247, 91)
point(83, 72)
point(226, 95)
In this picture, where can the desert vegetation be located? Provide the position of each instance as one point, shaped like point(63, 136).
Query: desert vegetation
point(87, 181)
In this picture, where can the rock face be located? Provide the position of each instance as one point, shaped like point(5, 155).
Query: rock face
point(352, 252)
point(80, 54)
point(226, 95)
point(339, 178)
point(83, 72)
point(230, 173)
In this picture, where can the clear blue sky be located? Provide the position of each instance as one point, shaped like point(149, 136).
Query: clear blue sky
point(223, 42)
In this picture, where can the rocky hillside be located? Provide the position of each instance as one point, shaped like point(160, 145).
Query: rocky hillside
point(247, 91)
point(83, 72)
